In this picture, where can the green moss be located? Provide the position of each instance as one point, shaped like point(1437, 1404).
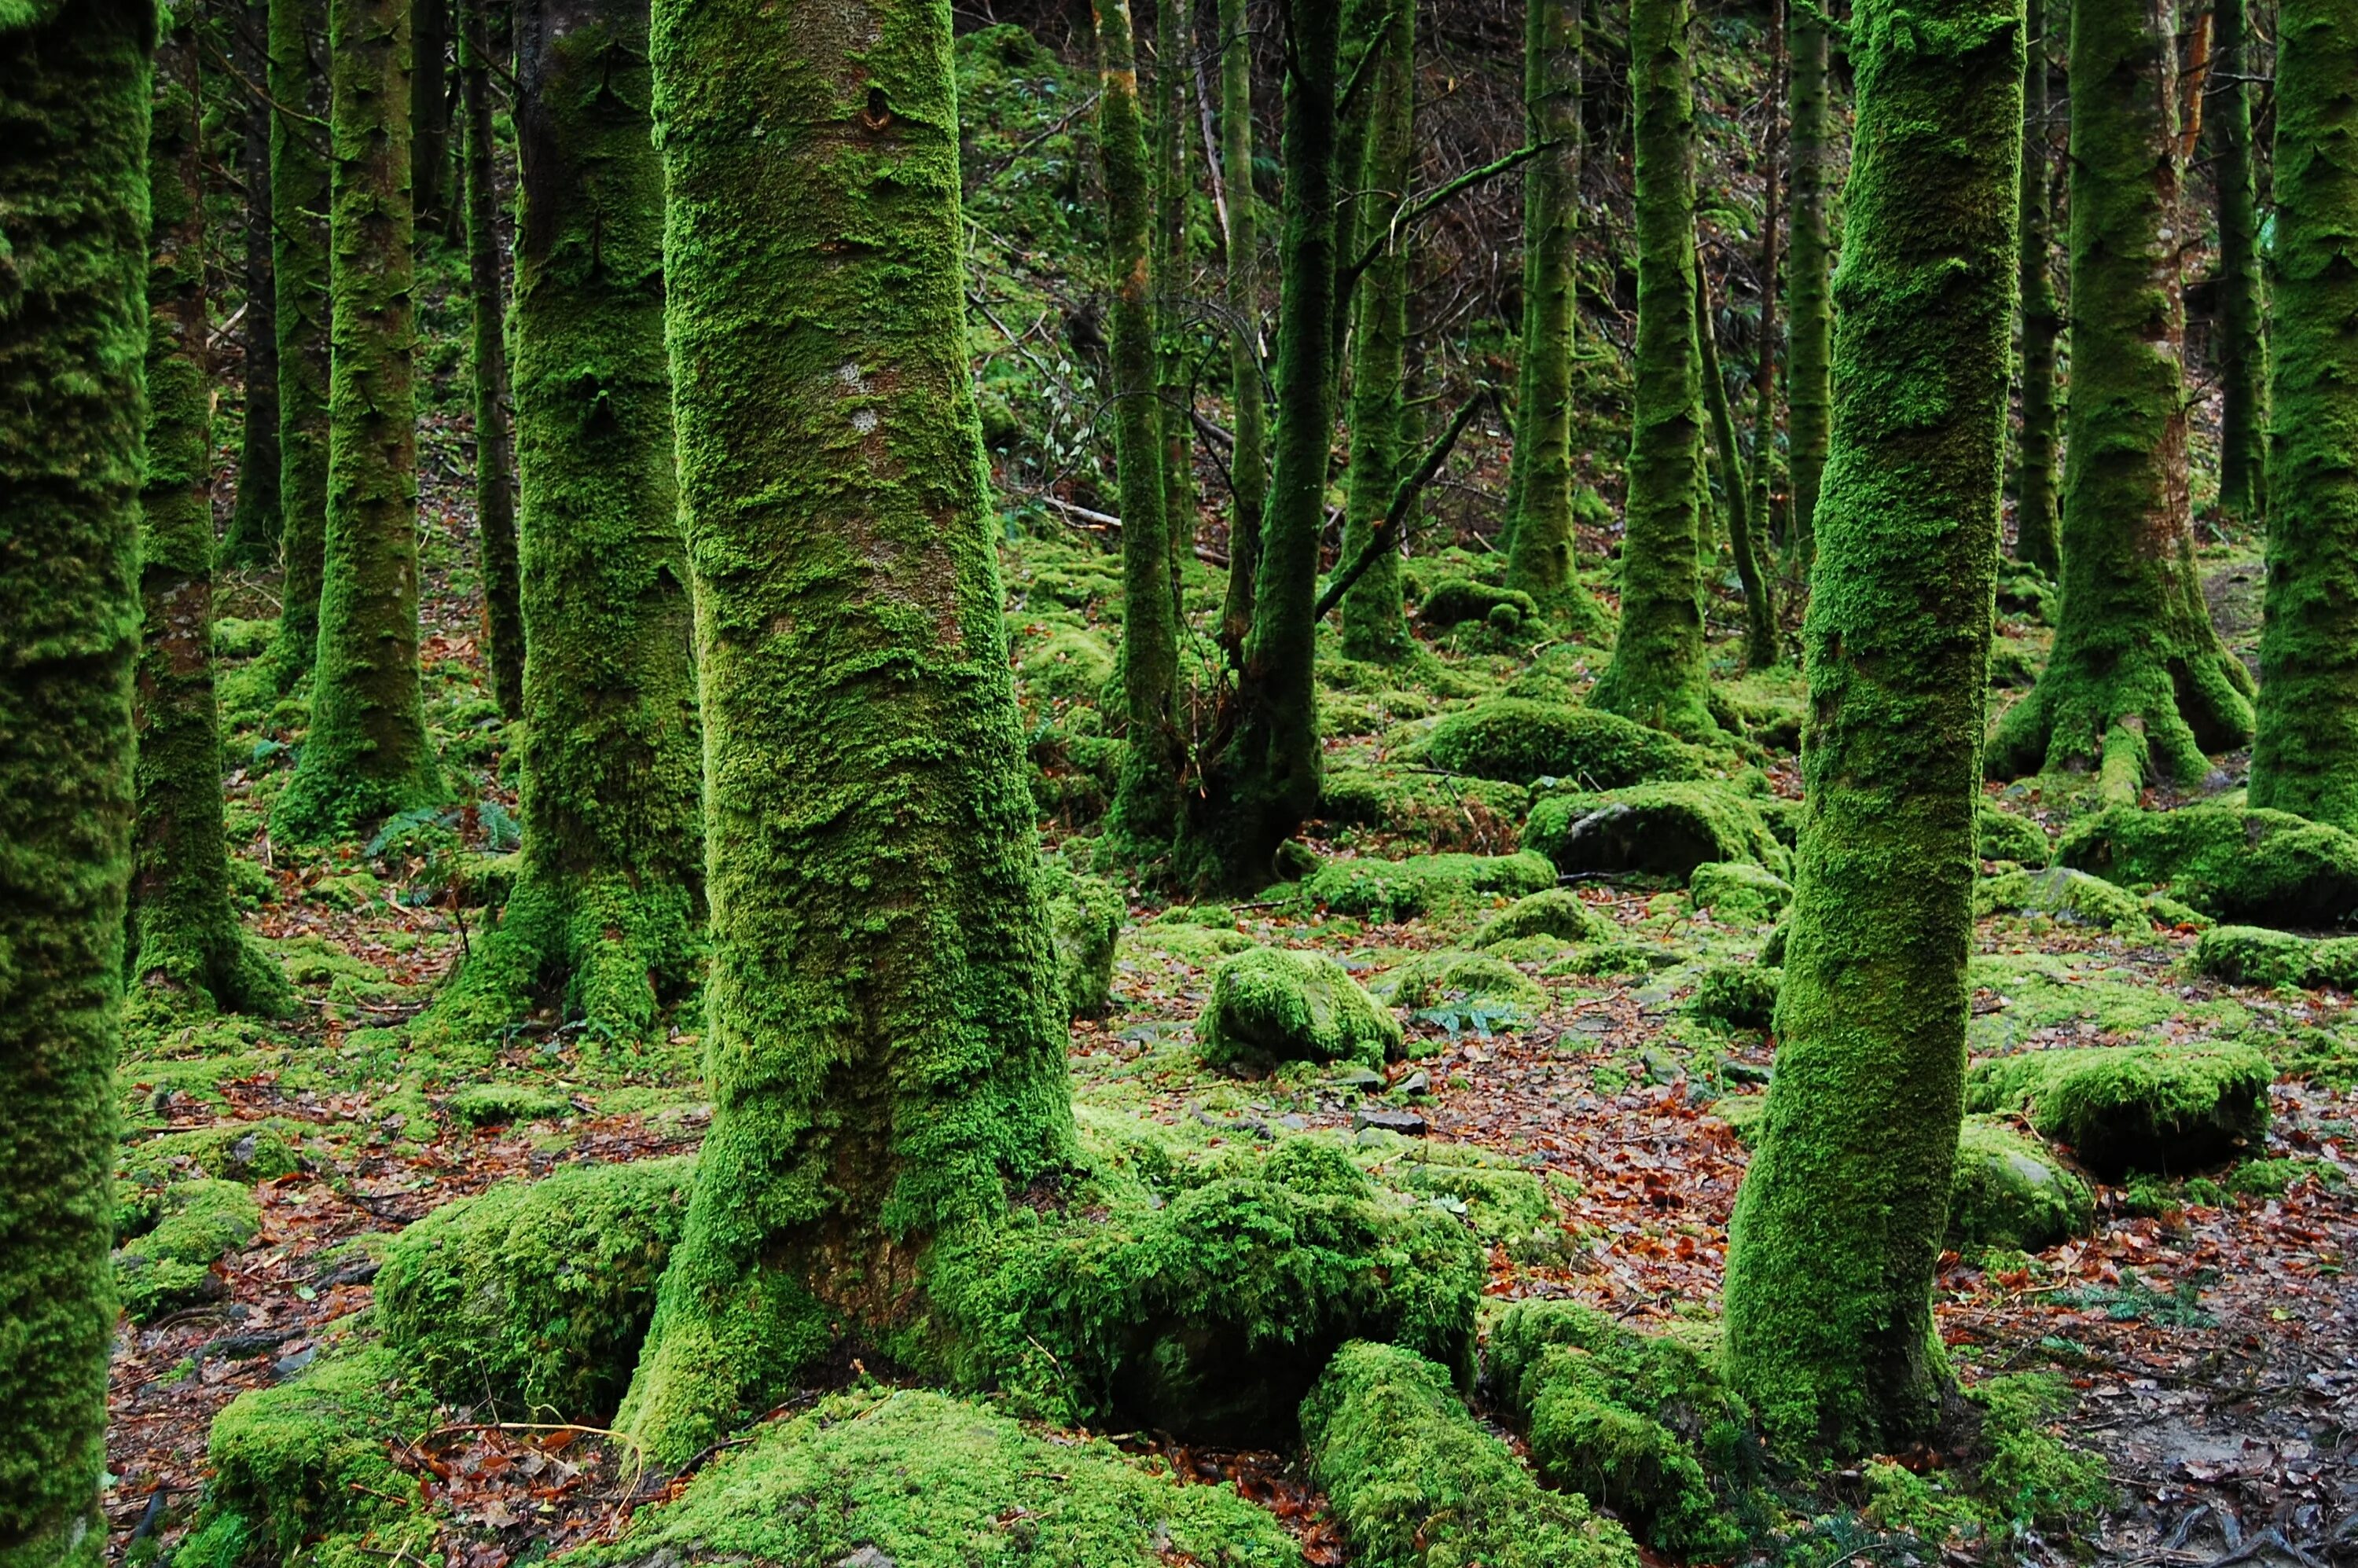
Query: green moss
point(2028, 1470)
point(1557, 912)
point(1071, 663)
point(2010, 1192)
point(1742, 1113)
point(1447, 813)
point(2253, 955)
point(1084, 918)
point(2273, 1178)
point(1737, 995)
point(1272, 1005)
point(2002, 835)
point(492, 1104)
point(1202, 947)
point(1417, 1483)
point(2170, 1108)
point(2267, 868)
point(2326, 1057)
point(2067, 896)
point(1424, 885)
point(1520, 740)
point(1454, 601)
point(1666, 828)
point(230, 1150)
point(1505, 1204)
point(201, 1221)
point(1738, 892)
point(1444, 979)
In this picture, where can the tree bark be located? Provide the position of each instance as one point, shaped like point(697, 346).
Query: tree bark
point(2242, 341)
point(1743, 538)
point(495, 506)
point(1772, 258)
point(1249, 459)
point(1810, 394)
point(430, 112)
point(253, 522)
point(298, 268)
point(1175, 40)
point(2036, 540)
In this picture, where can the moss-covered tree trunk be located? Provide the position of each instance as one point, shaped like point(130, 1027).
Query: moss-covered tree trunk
point(2138, 683)
point(495, 504)
point(185, 937)
point(1539, 540)
point(1249, 459)
point(1772, 272)
point(885, 1038)
point(1261, 770)
point(2035, 538)
point(1659, 675)
point(1840, 1219)
point(253, 522)
point(73, 328)
point(1375, 621)
point(2306, 757)
point(430, 112)
point(366, 756)
point(1174, 41)
point(1743, 535)
point(299, 269)
point(2242, 350)
point(1809, 397)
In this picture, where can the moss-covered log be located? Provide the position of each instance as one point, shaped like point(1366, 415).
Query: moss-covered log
point(2035, 537)
point(73, 329)
point(254, 525)
point(1810, 392)
point(2304, 759)
point(1842, 1214)
point(495, 502)
point(2240, 346)
point(298, 271)
point(366, 756)
point(2138, 683)
point(1249, 459)
point(1744, 529)
point(885, 1037)
point(1375, 622)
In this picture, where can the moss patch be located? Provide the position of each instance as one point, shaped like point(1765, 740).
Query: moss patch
point(1740, 893)
point(1557, 912)
point(1424, 885)
point(2166, 1108)
point(2010, 1192)
point(201, 1222)
point(2002, 835)
point(1447, 813)
point(2253, 955)
point(2265, 868)
point(2067, 896)
point(1520, 741)
point(1668, 830)
point(1273, 1005)
point(1438, 979)
point(1084, 918)
point(1737, 995)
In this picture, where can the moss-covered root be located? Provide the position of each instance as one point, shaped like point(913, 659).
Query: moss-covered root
point(366, 755)
point(73, 187)
point(2138, 685)
point(1839, 1221)
point(1417, 1483)
point(298, 272)
point(885, 1040)
point(2306, 757)
point(1659, 675)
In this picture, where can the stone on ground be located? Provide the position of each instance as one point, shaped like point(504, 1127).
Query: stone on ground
point(1274, 1005)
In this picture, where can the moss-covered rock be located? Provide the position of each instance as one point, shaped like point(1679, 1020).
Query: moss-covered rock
point(2253, 955)
point(2264, 868)
point(1453, 600)
point(2167, 1108)
point(1520, 740)
point(2009, 1190)
point(1424, 885)
point(1557, 912)
point(1740, 893)
point(1273, 1005)
point(1435, 979)
point(1737, 995)
point(1668, 830)
point(1417, 1483)
point(1447, 813)
point(2000, 834)
point(493, 1105)
point(198, 1223)
point(536, 1294)
point(2066, 896)
point(1084, 919)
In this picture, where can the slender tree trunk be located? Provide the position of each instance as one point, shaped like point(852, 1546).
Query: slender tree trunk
point(2243, 347)
point(1743, 537)
point(73, 213)
point(254, 522)
point(1840, 1219)
point(1659, 675)
point(1358, 53)
point(1810, 397)
point(2138, 683)
point(366, 756)
point(299, 269)
point(1262, 769)
point(885, 1038)
point(430, 112)
point(1772, 257)
point(1249, 460)
point(495, 504)
point(1174, 41)
point(2306, 757)
point(2036, 539)
point(184, 935)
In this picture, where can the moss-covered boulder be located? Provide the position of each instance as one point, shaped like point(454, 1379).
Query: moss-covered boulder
point(1737, 995)
point(1415, 1481)
point(916, 1478)
point(1453, 978)
point(1740, 893)
point(1447, 813)
point(2166, 1108)
point(198, 1223)
point(2000, 834)
point(1453, 600)
point(1275, 1004)
point(1520, 740)
point(2253, 955)
point(1667, 829)
point(2009, 1190)
point(1558, 912)
point(536, 1294)
point(1084, 919)
point(2262, 868)
point(1424, 885)
point(2066, 896)
point(498, 1104)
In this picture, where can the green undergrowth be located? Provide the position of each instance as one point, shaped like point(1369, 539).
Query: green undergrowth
point(2009, 1190)
point(2028, 998)
point(1432, 982)
point(2253, 955)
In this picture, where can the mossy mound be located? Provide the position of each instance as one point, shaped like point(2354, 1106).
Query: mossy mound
point(2253, 955)
point(1506, 1204)
point(1446, 978)
point(1737, 995)
point(920, 1479)
point(2002, 835)
point(1743, 1114)
point(2274, 1178)
point(494, 1104)
point(1210, 1315)
point(234, 1150)
point(1740, 893)
point(1273, 1005)
point(1447, 813)
point(537, 1295)
point(2262, 868)
point(198, 1223)
point(1084, 918)
point(1424, 885)
point(1200, 945)
point(1641, 1424)
point(1519, 742)
point(1455, 600)
point(1070, 663)
point(1557, 912)
point(1416, 1481)
point(2066, 896)
point(2009, 1190)
point(2163, 1109)
point(1667, 829)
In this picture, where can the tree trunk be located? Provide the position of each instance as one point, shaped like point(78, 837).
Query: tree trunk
point(253, 522)
point(2138, 683)
point(1810, 393)
point(2035, 537)
point(1743, 538)
point(2242, 345)
point(184, 935)
point(366, 756)
point(1249, 459)
point(1659, 675)
point(430, 112)
point(885, 1037)
point(496, 506)
point(1175, 39)
point(1772, 256)
point(299, 270)
point(1839, 1222)
point(2306, 757)
point(73, 213)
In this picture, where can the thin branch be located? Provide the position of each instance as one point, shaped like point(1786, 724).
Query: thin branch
point(1386, 533)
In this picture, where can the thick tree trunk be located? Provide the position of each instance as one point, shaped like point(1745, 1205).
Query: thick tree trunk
point(253, 522)
point(73, 213)
point(1659, 675)
point(2306, 757)
point(2242, 345)
point(430, 112)
point(1839, 1221)
point(495, 506)
point(1743, 537)
point(1249, 460)
point(2036, 540)
point(366, 756)
point(2138, 683)
point(184, 935)
point(1808, 395)
point(1175, 40)
point(885, 1037)
point(299, 269)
